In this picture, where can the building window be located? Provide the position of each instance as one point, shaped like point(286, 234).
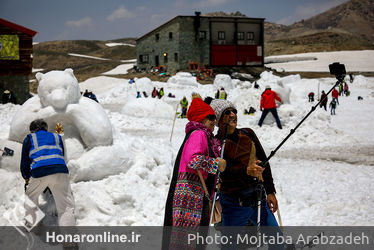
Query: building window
point(250, 36)
point(202, 35)
point(143, 58)
point(165, 58)
point(240, 35)
point(157, 36)
point(170, 35)
point(221, 35)
point(176, 57)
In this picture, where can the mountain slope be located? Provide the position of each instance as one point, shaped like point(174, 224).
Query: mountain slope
point(55, 56)
point(349, 26)
point(355, 16)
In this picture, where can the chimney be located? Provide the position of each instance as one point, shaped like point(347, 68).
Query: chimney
point(196, 23)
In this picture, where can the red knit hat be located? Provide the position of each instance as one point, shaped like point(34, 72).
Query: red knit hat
point(198, 110)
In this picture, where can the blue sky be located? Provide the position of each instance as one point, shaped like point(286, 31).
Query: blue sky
point(112, 19)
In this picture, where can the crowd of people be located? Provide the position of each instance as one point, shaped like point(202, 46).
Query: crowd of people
point(343, 89)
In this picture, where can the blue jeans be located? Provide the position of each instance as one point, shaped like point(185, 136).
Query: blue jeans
point(274, 113)
point(233, 214)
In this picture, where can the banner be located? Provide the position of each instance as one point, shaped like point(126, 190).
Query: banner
point(144, 238)
point(9, 47)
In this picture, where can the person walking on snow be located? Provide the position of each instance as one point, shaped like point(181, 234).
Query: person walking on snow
point(335, 95)
point(346, 89)
point(350, 78)
point(311, 97)
point(43, 166)
point(221, 94)
point(333, 106)
point(340, 89)
point(324, 100)
point(184, 104)
point(161, 93)
point(267, 105)
point(154, 92)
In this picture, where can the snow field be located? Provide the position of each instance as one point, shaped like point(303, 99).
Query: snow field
point(323, 174)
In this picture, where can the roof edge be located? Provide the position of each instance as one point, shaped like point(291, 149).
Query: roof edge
point(18, 27)
point(158, 27)
point(209, 17)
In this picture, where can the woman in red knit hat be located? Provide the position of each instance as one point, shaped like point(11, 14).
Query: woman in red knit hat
point(187, 205)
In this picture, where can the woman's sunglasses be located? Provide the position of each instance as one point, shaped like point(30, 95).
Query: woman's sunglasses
point(228, 112)
point(211, 117)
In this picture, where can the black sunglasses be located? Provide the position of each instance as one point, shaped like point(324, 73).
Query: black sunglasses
point(211, 117)
point(228, 112)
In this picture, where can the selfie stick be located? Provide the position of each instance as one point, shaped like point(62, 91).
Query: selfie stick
point(217, 180)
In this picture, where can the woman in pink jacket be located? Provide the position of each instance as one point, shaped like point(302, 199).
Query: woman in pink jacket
point(187, 206)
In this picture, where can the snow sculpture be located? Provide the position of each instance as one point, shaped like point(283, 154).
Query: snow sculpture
point(223, 81)
point(144, 84)
point(59, 100)
point(184, 79)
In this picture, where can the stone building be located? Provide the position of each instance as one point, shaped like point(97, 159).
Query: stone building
point(15, 59)
point(207, 40)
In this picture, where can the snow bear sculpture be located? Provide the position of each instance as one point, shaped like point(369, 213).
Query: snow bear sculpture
point(59, 101)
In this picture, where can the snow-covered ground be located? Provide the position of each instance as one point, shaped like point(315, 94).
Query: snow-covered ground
point(120, 69)
point(119, 44)
point(323, 174)
point(354, 61)
point(85, 56)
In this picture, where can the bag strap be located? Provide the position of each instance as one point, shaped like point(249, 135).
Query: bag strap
point(211, 154)
point(203, 183)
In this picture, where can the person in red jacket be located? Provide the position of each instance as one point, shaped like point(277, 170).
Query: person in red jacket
point(335, 95)
point(267, 105)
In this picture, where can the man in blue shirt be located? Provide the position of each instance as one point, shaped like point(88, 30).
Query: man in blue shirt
point(43, 165)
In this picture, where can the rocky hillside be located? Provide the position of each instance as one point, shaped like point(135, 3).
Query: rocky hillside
point(349, 26)
point(55, 56)
point(355, 17)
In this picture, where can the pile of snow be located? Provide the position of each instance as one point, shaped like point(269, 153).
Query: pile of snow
point(184, 79)
point(148, 107)
point(223, 81)
point(144, 84)
point(278, 84)
point(242, 75)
